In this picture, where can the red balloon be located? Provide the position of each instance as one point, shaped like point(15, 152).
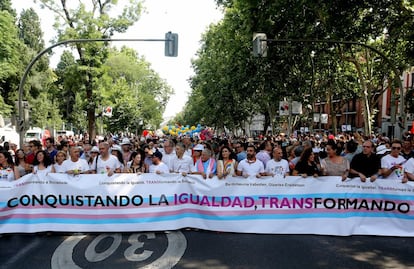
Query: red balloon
point(145, 133)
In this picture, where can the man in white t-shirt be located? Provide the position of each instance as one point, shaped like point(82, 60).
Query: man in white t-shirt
point(409, 169)
point(157, 165)
point(106, 163)
point(75, 165)
point(392, 164)
point(250, 166)
point(277, 167)
point(182, 163)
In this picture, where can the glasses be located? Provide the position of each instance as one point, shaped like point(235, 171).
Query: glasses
point(395, 148)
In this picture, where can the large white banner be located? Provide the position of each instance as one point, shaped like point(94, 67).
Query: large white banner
point(150, 202)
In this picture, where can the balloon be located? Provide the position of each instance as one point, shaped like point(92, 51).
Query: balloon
point(193, 127)
point(145, 132)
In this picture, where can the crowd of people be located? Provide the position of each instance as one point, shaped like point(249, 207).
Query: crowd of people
point(346, 155)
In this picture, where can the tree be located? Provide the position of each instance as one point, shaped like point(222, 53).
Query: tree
point(39, 92)
point(133, 90)
point(10, 52)
point(91, 21)
point(6, 5)
point(225, 59)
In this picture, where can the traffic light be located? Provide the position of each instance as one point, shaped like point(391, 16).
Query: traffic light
point(259, 45)
point(171, 45)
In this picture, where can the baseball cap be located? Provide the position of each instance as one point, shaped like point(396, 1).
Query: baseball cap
point(198, 147)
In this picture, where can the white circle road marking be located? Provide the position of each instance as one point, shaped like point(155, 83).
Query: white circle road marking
point(176, 246)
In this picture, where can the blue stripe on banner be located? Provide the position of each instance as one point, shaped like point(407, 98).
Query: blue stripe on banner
point(204, 217)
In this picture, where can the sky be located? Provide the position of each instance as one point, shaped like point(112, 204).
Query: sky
point(188, 18)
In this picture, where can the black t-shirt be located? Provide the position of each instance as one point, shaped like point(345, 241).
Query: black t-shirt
point(368, 166)
point(305, 168)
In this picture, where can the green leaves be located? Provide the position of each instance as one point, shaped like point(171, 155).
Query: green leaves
point(229, 84)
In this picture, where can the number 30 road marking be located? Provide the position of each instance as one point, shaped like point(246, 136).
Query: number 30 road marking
point(177, 243)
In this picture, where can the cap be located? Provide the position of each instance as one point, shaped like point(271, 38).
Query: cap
point(382, 149)
point(198, 147)
point(95, 149)
point(157, 154)
point(125, 141)
point(116, 147)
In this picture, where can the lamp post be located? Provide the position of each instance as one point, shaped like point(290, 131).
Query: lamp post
point(171, 50)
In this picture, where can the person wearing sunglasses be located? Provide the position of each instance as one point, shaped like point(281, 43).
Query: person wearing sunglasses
point(392, 164)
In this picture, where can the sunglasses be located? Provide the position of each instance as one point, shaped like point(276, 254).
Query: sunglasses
point(395, 148)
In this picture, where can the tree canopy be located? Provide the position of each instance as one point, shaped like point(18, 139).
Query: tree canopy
point(230, 85)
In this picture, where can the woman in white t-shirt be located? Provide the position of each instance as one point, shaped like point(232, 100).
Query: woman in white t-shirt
point(8, 171)
point(57, 166)
point(42, 164)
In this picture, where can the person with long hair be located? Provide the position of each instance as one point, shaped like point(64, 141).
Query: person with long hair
point(306, 165)
point(42, 164)
point(334, 164)
point(136, 163)
point(8, 171)
point(93, 154)
point(227, 163)
point(117, 152)
point(20, 163)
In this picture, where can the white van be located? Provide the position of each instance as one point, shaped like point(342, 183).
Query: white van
point(8, 134)
point(64, 133)
point(34, 133)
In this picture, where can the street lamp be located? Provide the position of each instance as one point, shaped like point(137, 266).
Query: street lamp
point(171, 50)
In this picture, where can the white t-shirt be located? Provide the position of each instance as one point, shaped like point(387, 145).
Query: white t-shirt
point(7, 174)
point(81, 165)
point(249, 168)
point(103, 167)
point(389, 161)
point(161, 167)
point(168, 159)
point(185, 164)
point(278, 169)
point(59, 168)
point(409, 166)
point(43, 172)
